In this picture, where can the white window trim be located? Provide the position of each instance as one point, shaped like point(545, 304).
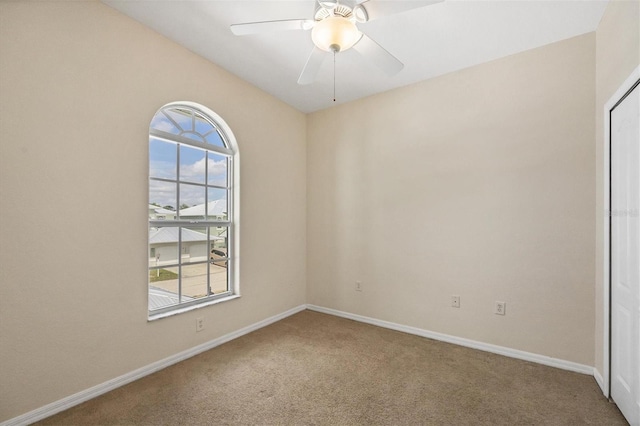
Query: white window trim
point(233, 200)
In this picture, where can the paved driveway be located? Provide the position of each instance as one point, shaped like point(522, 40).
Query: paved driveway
point(194, 280)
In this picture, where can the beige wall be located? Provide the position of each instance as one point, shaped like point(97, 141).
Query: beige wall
point(79, 84)
point(479, 183)
point(617, 55)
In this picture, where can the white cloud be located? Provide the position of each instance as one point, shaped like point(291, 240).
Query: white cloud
point(195, 172)
point(162, 169)
point(191, 195)
point(164, 193)
point(217, 167)
point(162, 123)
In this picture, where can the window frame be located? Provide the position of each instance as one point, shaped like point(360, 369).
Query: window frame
point(230, 152)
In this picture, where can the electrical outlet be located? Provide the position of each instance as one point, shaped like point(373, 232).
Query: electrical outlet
point(455, 301)
point(358, 285)
point(501, 308)
point(200, 324)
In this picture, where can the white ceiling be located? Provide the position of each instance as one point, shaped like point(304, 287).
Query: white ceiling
point(430, 40)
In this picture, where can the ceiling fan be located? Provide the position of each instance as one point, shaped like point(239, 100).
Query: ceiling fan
point(334, 29)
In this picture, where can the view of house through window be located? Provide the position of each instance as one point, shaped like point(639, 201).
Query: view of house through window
point(190, 203)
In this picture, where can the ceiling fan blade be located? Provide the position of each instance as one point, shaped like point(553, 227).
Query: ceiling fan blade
point(311, 68)
point(379, 8)
point(270, 26)
point(378, 55)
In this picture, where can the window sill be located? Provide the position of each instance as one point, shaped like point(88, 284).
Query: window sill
point(153, 317)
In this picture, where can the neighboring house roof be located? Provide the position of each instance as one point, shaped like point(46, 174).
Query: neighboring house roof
point(216, 208)
point(159, 298)
point(170, 235)
point(160, 210)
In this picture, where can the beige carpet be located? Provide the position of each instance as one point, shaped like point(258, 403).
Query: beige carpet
point(318, 369)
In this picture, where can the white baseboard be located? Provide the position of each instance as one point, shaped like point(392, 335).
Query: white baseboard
point(85, 395)
point(501, 350)
point(600, 381)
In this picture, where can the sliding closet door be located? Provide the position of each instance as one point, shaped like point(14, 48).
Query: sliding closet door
point(625, 256)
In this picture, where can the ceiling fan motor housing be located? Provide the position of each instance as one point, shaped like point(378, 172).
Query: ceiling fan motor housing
point(338, 10)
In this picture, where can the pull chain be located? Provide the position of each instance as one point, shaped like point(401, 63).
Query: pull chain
point(334, 76)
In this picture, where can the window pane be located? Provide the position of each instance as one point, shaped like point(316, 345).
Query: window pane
point(194, 247)
point(162, 159)
point(203, 126)
point(218, 278)
point(218, 166)
point(218, 270)
point(161, 122)
point(163, 245)
point(194, 281)
point(217, 206)
point(192, 164)
point(218, 237)
point(162, 195)
point(163, 282)
point(192, 202)
point(214, 138)
point(181, 117)
point(163, 288)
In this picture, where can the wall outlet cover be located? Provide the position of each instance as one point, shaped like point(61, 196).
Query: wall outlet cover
point(455, 301)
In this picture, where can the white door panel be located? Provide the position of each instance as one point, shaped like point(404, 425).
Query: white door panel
point(625, 256)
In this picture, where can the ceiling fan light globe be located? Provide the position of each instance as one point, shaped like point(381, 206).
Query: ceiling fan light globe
point(335, 34)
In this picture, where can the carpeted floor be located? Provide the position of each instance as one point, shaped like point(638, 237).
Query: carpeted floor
point(317, 369)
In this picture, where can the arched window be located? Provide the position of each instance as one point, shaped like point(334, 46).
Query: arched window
point(192, 162)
